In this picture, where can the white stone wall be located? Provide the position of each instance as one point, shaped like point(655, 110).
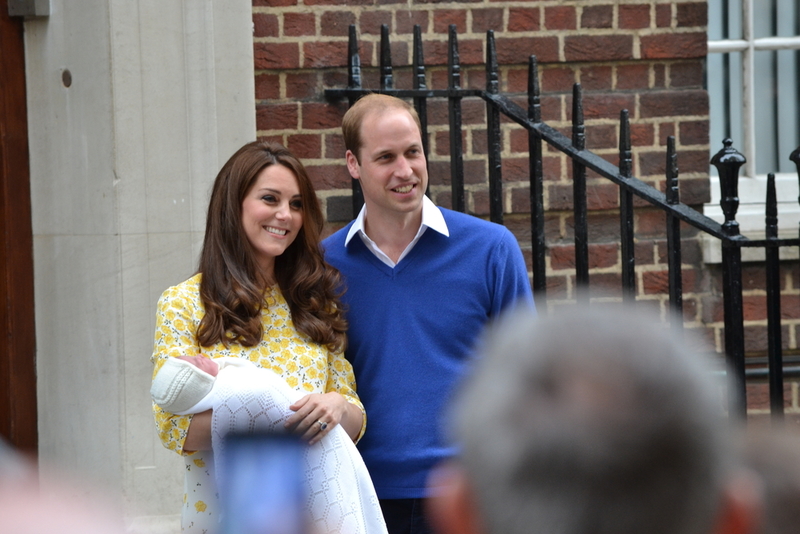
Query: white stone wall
point(122, 160)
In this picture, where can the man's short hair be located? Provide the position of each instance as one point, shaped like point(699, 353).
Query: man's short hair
point(592, 421)
point(366, 105)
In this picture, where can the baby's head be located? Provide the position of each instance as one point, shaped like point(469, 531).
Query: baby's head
point(204, 364)
point(183, 381)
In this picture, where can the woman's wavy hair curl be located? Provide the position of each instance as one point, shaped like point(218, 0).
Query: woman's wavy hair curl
point(231, 288)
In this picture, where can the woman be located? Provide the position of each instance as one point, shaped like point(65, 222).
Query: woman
point(263, 293)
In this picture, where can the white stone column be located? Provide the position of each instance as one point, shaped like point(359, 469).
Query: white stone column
point(122, 160)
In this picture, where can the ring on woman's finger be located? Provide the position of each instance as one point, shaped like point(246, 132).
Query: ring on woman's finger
point(322, 425)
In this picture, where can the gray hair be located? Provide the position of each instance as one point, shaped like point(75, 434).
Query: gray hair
point(595, 421)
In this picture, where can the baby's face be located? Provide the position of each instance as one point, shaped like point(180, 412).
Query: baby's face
point(204, 364)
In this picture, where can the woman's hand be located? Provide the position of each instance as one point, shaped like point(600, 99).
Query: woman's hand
point(316, 415)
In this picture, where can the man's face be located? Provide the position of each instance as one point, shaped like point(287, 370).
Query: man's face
point(392, 170)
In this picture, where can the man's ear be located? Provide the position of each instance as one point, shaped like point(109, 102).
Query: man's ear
point(451, 508)
point(352, 164)
point(742, 505)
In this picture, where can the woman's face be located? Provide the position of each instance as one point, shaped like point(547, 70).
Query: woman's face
point(272, 214)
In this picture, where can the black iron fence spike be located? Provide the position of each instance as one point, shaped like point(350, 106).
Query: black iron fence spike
point(673, 195)
point(387, 80)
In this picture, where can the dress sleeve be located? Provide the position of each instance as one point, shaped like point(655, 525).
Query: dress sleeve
point(176, 324)
point(342, 380)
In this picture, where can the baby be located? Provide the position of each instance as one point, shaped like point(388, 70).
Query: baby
point(246, 398)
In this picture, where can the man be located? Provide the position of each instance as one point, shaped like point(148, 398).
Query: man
point(421, 284)
point(592, 421)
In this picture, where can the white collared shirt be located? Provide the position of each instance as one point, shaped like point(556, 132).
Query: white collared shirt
point(431, 218)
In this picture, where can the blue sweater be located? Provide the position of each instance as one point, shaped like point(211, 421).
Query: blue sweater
point(412, 328)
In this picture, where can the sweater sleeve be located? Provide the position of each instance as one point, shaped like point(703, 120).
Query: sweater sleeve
point(510, 275)
point(176, 321)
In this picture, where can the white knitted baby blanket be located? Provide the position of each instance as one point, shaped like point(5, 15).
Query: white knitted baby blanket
point(341, 497)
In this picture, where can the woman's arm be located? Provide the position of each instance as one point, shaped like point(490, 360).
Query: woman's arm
point(174, 336)
point(198, 437)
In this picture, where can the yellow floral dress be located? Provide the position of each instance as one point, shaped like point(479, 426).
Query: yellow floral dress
point(305, 365)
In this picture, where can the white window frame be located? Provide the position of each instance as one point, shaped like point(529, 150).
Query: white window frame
point(752, 187)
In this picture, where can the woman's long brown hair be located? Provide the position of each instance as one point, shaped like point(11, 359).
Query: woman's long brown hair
point(231, 288)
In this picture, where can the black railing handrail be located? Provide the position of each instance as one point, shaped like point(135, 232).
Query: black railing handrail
point(728, 161)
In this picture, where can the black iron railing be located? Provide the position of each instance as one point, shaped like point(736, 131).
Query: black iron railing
point(727, 161)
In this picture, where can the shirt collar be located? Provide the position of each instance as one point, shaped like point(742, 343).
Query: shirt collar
point(431, 218)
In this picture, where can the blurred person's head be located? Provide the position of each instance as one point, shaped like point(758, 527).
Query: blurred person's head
point(774, 455)
point(591, 421)
point(36, 502)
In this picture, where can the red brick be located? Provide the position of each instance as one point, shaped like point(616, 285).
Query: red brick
point(633, 17)
point(659, 76)
point(299, 24)
point(664, 15)
point(692, 14)
point(552, 107)
point(558, 79)
point(443, 18)
point(318, 116)
point(601, 136)
point(655, 282)
point(268, 87)
point(305, 145)
point(276, 116)
point(302, 85)
point(693, 132)
point(598, 47)
point(327, 177)
point(673, 103)
point(516, 169)
point(758, 395)
point(596, 78)
point(276, 56)
point(642, 135)
point(650, 222)
point(487, 19)
point(470, 52)
point(334, 146)
point(665, 129)
point(597, 16)
point(556, 286)
point(606, 285)
point(644, 252)
point(560, 18)
point(371, 21)
point(480, 203)
point(517, 80)
point(676, 45)
point(600, 196)
point(520, 200)
point(686, 74)
point(405, 21)
point(523, 19)
point(790, 306)
point(633, 76)
point(325, 54)
point(336, 23)
point(694, 191)
point(265, 25)
point(605, 105)
point(601, 256)
point(517, 50)
point(756, 338)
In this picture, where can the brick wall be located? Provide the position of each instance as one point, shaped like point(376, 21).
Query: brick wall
point(646, 56)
